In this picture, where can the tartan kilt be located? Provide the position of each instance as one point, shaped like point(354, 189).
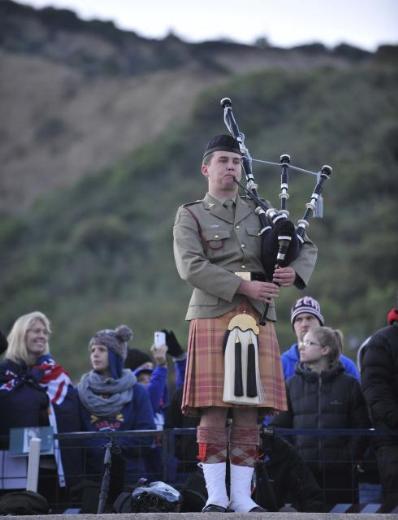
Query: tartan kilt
point(204, 378)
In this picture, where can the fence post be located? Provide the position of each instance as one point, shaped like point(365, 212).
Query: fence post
point(33, 464)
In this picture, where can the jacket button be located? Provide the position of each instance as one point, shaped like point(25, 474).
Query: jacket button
point(242, 246)
point(215, 236)
point(237, 227)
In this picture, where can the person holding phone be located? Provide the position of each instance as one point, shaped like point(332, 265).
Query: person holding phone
point(153, 374)
point(217, 250)
point(152, 370)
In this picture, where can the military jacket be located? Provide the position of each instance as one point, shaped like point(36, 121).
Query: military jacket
point(213, 242)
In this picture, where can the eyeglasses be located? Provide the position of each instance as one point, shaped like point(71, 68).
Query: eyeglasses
point(308, 343)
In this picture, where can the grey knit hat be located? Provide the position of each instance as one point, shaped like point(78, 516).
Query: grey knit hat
point(307, 305)
point(115, 340)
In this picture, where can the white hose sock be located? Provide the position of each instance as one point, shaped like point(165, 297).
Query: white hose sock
point(215, 484)
point(241, 487)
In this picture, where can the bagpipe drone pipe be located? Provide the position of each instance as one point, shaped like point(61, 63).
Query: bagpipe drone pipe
point(281, 239)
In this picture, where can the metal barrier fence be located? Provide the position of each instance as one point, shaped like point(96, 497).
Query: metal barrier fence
point(168, 455)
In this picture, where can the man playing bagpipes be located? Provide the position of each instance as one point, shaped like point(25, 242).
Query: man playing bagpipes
point(233, 363)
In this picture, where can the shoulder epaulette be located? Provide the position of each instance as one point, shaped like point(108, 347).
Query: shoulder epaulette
point(192, 203)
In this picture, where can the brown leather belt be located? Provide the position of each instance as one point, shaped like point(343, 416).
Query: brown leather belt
point(248, 276)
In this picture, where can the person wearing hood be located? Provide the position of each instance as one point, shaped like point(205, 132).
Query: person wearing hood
point(112, 400)
point(322, 396)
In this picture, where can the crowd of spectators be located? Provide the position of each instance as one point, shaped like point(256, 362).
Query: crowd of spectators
point(127, 389)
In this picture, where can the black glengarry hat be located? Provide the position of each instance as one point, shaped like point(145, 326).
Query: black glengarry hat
point(224, 143)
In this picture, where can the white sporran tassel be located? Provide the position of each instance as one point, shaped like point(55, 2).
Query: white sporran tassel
point(243, 332)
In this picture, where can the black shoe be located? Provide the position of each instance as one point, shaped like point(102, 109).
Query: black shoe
point(212, 508)
point(257, 509)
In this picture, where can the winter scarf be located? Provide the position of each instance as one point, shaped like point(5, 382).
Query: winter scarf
point(105, 396)
point(46, 373)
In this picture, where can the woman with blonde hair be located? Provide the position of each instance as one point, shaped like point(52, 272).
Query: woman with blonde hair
point(37, 391)
point(322, 396)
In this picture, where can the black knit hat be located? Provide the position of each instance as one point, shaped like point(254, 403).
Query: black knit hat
point(223, 142)
point(136, 358)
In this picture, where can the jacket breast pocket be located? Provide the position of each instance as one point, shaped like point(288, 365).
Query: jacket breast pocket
point(215, 238)
point(253, 239)
point(253, 231)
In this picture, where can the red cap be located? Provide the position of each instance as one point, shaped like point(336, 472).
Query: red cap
point(392, 316)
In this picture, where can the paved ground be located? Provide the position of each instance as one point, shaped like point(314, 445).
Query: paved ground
point(215, 516)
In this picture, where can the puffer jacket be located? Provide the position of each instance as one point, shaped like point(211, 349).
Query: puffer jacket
point(379, 378)
point(328, 400)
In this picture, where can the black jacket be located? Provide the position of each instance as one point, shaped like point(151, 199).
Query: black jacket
point(282, 477)
point(379, 379)
point(24, 402)
point(186, 447)
point(328, 400)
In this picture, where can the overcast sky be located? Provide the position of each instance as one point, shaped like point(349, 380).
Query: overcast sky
point(363, 23)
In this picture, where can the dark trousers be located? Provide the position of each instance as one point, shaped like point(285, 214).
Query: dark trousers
point(339, 485)
point(387, 462)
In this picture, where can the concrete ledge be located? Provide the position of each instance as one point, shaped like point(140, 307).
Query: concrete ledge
point(214, 516)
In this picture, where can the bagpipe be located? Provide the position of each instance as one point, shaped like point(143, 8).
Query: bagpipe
point(281, 239)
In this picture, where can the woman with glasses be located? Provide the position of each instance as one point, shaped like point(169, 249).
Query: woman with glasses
point(322, 396)
point(36, 391)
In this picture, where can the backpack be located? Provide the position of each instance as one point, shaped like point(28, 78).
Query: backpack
point(23, 503)
point(149, 498)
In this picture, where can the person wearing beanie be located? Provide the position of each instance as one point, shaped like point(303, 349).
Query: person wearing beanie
point(379, 380)
point(306, 314)
point(217, 250)
point(137, 358)
point(392, 316)
point(152, 372)
point(112, 400)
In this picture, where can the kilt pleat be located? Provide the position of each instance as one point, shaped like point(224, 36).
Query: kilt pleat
point(204, 378)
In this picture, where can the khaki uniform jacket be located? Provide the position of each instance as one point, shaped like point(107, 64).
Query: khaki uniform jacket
point(216, 242)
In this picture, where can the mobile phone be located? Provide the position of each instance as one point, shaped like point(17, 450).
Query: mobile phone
point(159, 338)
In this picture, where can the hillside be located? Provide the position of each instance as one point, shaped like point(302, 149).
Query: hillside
point(98, 253)
point(77, 96)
